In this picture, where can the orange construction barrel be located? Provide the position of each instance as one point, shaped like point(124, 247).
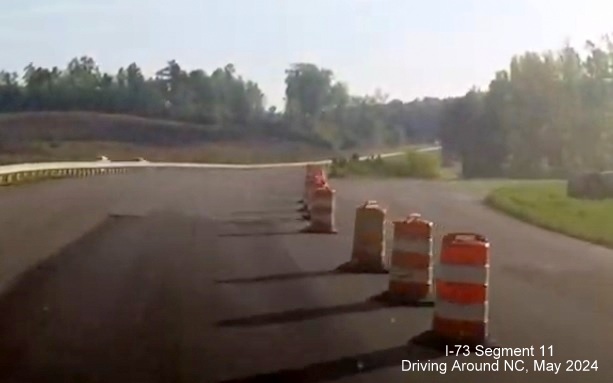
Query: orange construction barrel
point(411, 261)
point(322, 211)
point(461, 307)
point(368, 240)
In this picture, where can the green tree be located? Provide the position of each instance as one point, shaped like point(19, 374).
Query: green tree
point(308, 93)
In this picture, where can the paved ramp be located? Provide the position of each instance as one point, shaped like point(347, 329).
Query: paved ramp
point(202, 276)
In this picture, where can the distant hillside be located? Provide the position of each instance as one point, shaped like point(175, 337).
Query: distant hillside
point(16, 127)
point(319, 109)
point(47, 136)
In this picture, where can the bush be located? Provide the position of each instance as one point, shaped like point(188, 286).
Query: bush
point(413, 165)
point(423, 164)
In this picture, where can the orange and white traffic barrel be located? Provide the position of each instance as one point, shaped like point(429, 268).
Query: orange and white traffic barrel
point(368, 240)
point(309, 180)
point(411, 261)
point(308, 176)
point(322, 211)
point(462, 277)
point(316, 183)
point(322, 173)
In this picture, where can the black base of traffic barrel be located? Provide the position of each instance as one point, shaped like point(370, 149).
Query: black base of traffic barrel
point(315, 230)
point(398, 300)
point(362, 268)
point(432, 340)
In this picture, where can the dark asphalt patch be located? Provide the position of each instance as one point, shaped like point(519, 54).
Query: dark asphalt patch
point(301, 314)
point(259, 228)
point(394, 300)
point(265, 213)
point(51, 264)
point(111, 306)
point(281, 277)
point(261, 234)
point(260, 221)
point(353, 267)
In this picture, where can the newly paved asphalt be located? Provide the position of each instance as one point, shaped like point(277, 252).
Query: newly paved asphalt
point(202, 276)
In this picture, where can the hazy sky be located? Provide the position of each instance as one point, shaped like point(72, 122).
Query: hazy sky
point(407, 48)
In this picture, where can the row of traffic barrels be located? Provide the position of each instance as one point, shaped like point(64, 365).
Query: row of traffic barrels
point(319, 201)
point(456, 285)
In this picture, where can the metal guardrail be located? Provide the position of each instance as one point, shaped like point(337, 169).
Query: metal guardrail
point(11, 173)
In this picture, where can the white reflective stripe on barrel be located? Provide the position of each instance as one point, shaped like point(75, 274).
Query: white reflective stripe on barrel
point(419, 246)
point(474, 312)
point(412, 275)
point(478, 275)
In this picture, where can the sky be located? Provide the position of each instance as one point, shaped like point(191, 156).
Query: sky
point(409, 49)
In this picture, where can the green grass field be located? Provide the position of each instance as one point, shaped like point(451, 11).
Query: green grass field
point(545, 204)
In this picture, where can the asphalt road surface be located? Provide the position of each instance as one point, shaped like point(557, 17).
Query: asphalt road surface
point(202, 276)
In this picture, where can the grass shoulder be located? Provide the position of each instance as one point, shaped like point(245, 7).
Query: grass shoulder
point(546, 205)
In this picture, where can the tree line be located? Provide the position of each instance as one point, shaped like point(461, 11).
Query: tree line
point(174, 93)
point(317, 105)
point(546, 115)
point(316, 102)
point(549, 114)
